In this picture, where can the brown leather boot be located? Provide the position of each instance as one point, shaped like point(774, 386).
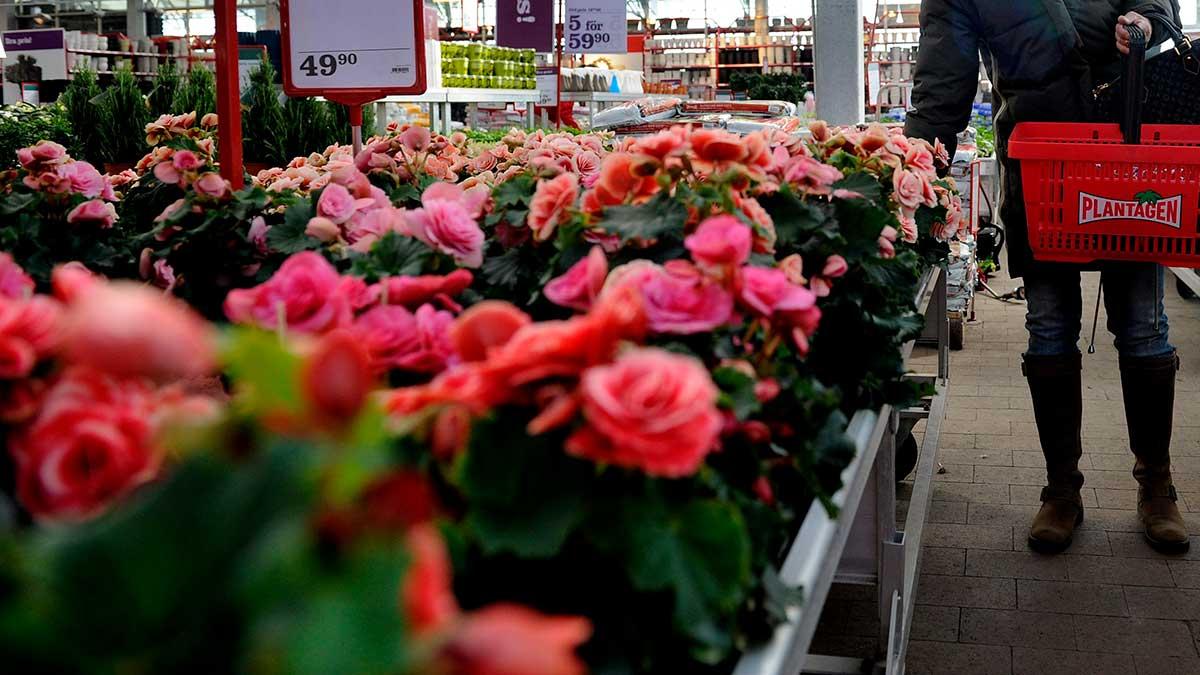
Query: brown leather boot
point(1055, 383)
point(1148, 387)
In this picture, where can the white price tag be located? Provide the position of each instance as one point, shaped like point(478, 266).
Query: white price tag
point(596, 27)
point(547, 84)
point(328, 48)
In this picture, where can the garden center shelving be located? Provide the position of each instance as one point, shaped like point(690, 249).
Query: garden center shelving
point(439, 101)
point(860, 544)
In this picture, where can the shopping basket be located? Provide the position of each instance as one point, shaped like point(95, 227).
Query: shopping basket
point(1109, 191)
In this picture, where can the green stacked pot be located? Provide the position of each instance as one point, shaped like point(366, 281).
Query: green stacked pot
point(479, 66)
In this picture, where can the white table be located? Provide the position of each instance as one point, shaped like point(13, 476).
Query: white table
point(439, 101)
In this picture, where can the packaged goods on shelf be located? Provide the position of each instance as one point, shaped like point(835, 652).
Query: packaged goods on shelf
point(636, 112)
point(765, 108)
point(474, 65)
point(649, 115)
point(602, 79)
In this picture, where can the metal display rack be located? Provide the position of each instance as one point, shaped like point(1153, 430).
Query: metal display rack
point(861, 544)
point(439, 101)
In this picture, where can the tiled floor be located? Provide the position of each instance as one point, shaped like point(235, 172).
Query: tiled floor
point(986, 604)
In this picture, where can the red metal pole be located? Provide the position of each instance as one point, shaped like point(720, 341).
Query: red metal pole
point(560, 28)
point(229, 106)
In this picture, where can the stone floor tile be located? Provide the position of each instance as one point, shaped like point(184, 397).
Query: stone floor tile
point(1153, 664)
point(1108, 498)
point(1027, 661)
point(1016, 628)
point(976, 493)
point(1119, 571)
point(1011, 475)
point(946, 512)
point(1111, 520)
point(943, 561)
point(948, 658)
point(954, 473)
point(1000, 514)
point(1028, 458)
point(1100, 478)
point(1085, 542)
point(953, 591)
point(1186, 573)
point(1071, 598)
point(1164, 603)
point(1131, 635)
point(953, 440)
point(1133, 545)
point(1029, 442)
point(1016, 565)
point(930, 622)
point(968, 536)
point(976, 456)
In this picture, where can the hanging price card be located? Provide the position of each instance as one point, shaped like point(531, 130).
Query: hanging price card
point(596, 26)
point(329, 50)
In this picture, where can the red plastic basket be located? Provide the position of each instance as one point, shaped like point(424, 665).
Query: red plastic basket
point(1089, 196)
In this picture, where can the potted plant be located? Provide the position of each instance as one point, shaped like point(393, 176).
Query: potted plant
point(80, 102)
point(123, 116)
point(198, 93)
point(262, 121)
point(166, 86)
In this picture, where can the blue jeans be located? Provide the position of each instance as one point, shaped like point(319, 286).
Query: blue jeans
point(1133, 294)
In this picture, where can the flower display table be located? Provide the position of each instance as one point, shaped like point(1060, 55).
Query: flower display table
point(860, 544)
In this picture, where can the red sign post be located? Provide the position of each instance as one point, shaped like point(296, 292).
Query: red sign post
point(331, 52)
point(229, 104)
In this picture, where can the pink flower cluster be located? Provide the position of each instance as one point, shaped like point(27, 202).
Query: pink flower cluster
point(352, 211)
point(686, 297)
point(50, 170)
point(403, 322)
point(167, 127)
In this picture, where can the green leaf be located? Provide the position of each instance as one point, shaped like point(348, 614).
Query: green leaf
point(699, 550)
point(504, 270)
point(525, 495)
point(795, 220)
point(290, 236)
point(265, 373)
point(392, 256)
point(516, 191)
point(354, 626)
point(655, 219)
point(863, 183)
point(737, 392)
point(16, 203)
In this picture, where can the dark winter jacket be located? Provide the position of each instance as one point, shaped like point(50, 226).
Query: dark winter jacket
point(1045, 58)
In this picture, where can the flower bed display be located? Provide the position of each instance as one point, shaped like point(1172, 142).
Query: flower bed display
point(540, 406)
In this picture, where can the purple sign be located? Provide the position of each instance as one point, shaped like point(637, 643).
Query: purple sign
point(33, 40)
point(525, 24)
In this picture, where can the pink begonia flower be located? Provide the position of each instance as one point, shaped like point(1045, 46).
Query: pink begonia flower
point(335, 204)
point(811, 176)
point(323, 229)
point(258, 235)
point(412, 292)
point(842, 193)
point(887, 248)
point(186, 160)
point(415, 138)
point(447, 225)
point(167, 173)
point(793, 267)
point(720, 241)
point(70, 280)
point(306, 295)
point(550, 204)
point(129, 330)
point(835, 267)
point(171, 211)
point(84, 179)
point(587, 163)
point(920, 158)
point(768, 291)
point(581, 285)
point(164, 275)
point(398, 339)
point(651, 410)
point(97, 212)
point(908, 227)
point(820, 286)
point(677, 303)
point(14, 282)
point(912, 190)
point(45, 153)
point(212, 185)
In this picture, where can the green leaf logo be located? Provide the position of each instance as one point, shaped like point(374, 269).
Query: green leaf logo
point(1147, 197)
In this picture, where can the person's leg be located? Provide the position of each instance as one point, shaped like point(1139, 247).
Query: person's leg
point(1053, 367)
point(1133, 298)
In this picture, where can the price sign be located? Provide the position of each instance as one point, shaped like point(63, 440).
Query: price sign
point(330, 51)
point(596, 26)
point(547, 84)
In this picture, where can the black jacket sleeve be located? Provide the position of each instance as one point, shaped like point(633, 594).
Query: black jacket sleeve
point(947, 73)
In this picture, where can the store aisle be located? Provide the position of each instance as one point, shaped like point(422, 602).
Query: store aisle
point(1110, 605)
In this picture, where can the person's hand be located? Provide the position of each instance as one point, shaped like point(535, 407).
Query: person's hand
point(1131, 19)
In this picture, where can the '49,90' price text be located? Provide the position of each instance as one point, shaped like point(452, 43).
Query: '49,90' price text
point(326, 65)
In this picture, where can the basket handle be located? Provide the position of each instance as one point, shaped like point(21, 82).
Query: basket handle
point(1135, 89)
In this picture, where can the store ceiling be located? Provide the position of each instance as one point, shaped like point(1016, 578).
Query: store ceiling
point(62, 6)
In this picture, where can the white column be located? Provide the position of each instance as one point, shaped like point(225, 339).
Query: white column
point(838, 53)
point(135, 20)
